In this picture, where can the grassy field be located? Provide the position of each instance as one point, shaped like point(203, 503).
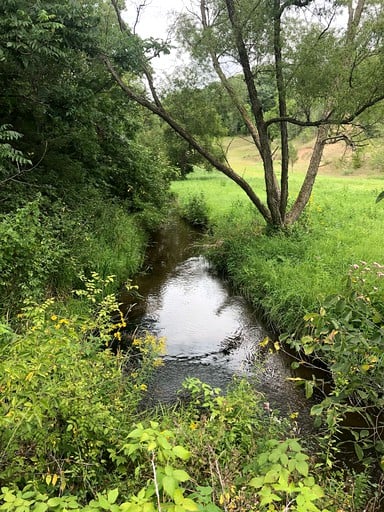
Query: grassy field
point(288, 275)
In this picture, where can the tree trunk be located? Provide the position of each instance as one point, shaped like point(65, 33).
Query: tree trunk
point(273, 191)
point(310, 177)
point(282, 110)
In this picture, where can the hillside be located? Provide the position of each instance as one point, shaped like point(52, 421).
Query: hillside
point(338, 159)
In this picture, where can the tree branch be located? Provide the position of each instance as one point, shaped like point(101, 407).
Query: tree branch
point(122, 24)
point(180, 130)
point(296, 3)
point(226, 84)
point(328, 120)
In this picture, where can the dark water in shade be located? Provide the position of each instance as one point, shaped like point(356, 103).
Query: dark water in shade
point(210, 332)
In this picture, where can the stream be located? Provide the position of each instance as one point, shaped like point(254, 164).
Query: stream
point(211, 333)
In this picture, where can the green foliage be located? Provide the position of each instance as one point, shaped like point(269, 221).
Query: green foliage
point(245, 451)
point(7, 152)
point(196, 110)
point(46, 246)
point(32, 256)
point(346, 336)
point(214, 452)
point(195, 210)
point(77, 130)
point(66, 404)
point(284, 478)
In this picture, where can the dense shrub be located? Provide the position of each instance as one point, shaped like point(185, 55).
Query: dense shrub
point(195, 210)
point(66, 402)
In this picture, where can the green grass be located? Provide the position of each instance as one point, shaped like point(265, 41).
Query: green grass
point(289, 275)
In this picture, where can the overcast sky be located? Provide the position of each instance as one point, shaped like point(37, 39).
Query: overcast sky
point(155, 20)
point(155, 17)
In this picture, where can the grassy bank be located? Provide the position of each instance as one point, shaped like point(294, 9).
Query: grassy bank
point(48, 246)
point(287, 276)
point(322, 285)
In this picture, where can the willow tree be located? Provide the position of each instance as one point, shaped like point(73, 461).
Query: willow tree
point(325, 61)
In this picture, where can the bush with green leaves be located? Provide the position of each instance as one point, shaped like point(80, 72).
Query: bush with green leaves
point(346, 338)
point(32, 255)
point(233, 440)
point(195, 210)
point(66, 401)
point(47, 245)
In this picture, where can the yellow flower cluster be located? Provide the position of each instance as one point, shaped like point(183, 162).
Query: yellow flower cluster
point(59, 323)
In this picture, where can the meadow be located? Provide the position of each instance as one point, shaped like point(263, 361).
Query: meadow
point(289, 275)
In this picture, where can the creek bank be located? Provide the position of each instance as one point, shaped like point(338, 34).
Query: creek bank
point(212, 333)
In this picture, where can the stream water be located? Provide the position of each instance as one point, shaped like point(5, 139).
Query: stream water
point(211, 333)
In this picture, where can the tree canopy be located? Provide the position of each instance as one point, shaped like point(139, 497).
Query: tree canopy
point(324, 64)
point(65, 126)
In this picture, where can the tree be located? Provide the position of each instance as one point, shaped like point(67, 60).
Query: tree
point(195, 109)
point(325, 62)
point(78, 131)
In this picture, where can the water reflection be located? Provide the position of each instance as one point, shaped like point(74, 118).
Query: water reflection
point(210, 333)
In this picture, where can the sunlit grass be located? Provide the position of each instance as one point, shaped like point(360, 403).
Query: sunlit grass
point(289, 275)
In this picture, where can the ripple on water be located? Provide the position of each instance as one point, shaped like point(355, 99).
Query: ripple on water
point(212, 334)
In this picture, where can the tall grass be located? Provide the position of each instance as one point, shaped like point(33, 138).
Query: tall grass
point(48, 246)
point(287, 276)
point(114, 242)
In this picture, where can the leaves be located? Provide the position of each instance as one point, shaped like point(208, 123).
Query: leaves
point(181, 452)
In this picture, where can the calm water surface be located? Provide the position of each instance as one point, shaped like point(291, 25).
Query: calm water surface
point(211, 333)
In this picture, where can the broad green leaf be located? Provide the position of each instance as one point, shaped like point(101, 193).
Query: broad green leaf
point(103, 502)
point(359, 451)
point(316, 410)
point(302, 467)
point(151, 446)
point(189, 504)
point(309, 384)
point(169, 485)
point(317, 491)
point(271, 476)
point(178, 496)
point(54, 502)
point(257, 481)
point(294, 445)
point(181, 475)
point(148, 507)
point(164, 443)
point(270, 498)
point(40, 507)
point(181, 452)
point(112, 495)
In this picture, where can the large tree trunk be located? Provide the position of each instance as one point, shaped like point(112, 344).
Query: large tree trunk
point(272, 187)
point(310, 177)
point(281, 89)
